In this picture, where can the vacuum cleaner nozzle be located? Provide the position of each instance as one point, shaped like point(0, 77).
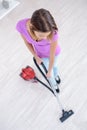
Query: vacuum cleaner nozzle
point(66, 115)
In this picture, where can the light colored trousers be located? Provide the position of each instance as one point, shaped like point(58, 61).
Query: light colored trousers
point(54, 70)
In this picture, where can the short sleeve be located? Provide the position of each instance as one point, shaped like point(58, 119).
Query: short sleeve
point(19, 27)
point(55, 36)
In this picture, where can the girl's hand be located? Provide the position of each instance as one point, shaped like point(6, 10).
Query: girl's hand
point(48, 74)
point(38, 60)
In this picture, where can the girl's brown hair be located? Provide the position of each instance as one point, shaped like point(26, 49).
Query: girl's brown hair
point(42, 21)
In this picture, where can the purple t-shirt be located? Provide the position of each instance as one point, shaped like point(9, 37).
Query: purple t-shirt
point(42, 48)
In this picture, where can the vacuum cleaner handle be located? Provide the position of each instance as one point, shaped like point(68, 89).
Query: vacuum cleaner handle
point(41, 70)
point(43, 76)
point(44, 67)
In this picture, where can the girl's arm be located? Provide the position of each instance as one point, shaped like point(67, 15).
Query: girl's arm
point(31, 49)
point(52, 57)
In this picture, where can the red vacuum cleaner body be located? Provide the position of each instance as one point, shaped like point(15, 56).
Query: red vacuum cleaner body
point(27, 73)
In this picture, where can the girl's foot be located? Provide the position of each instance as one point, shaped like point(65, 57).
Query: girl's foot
point(57, 89)
point(58, 80)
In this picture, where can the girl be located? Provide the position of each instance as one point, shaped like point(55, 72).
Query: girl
point(40, 34)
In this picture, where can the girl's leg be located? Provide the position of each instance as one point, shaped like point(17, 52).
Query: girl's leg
point(55, 67)
point(52, 79)
point(55, 70)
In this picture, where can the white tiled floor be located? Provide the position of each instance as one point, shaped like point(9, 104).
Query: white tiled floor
point(28, 106)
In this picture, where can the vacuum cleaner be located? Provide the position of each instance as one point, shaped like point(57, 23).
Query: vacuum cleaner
point(29, 74)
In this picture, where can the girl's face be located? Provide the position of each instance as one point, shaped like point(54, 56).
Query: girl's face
point(42, 35)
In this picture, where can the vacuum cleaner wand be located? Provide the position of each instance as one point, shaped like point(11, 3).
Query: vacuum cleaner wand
point(65, 114)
